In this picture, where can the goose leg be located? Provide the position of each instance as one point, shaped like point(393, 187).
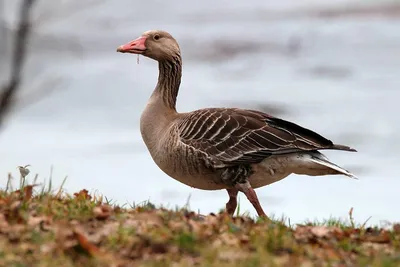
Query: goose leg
point(232, 203)
point(236, 177)
point(251, 196)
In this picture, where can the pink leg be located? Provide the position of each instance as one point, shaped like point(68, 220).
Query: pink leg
point(232, 203)
point(252, 197)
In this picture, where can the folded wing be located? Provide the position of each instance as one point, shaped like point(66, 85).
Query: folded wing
point(229, 137)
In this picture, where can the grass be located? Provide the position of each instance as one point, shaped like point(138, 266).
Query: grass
point(40, 226)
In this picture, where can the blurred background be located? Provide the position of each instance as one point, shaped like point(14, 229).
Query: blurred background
point(331, 66)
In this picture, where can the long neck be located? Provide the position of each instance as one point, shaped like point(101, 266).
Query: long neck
point(169, 80)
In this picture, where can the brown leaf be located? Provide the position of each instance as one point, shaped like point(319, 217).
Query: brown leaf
point(211, 220)
point(244, 240)
point(382, 237)
point(65, 237)
point(102, 212)
point(232, 255)
point(178, 226)
point(93, 250)
point(226, 239)
point(195, 226)
point(150, 218)
point(320, 231)
point(308, 233)
point(396, 228)
point(85, 244)
point(105, 231)
point(83, 194)
point(15, 232)
point(325, 232)
point(41, 220)
point(15, 205)
point(331, 254)
point(48, 247)
point(282, 260)
point(28, 191)
point(13, 214)
point(159, 248)
point(372, 248)
point(302, 233)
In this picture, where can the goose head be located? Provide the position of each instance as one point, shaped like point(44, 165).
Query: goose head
point(155, 44)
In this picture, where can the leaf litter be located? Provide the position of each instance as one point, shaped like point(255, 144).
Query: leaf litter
point(47, 229)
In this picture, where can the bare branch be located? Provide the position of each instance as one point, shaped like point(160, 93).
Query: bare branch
point(18, 57)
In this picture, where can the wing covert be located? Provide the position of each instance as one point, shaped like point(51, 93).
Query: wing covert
point(236, 136)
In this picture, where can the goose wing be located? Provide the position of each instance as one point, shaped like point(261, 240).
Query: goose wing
point(227, 137)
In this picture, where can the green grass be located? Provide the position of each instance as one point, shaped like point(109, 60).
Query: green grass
point(43, 226)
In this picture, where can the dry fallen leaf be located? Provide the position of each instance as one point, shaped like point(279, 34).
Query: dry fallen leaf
point(195, 226)
point(396, 228)
point(282, 260)
point(244, 240)
point(27, 192)
point(85, 244)
point(226, 239)
point(107, 230)
point(381, 237)
point(323, 231)
point(3, 222)
point(15, 232)
point(232, 255)
point(331, 254)
point(48, 247)
point(374, 247)
point(302, 233)
point(83, 194)
point(102, 212)
point(34, 221)
point(305, 233)
point(178, 226)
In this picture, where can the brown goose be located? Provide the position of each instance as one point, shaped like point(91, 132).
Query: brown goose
point(221, 148)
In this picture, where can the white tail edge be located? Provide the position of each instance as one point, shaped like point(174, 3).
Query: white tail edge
point(319, 160)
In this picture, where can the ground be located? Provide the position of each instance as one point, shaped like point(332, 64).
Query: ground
point(44, 227)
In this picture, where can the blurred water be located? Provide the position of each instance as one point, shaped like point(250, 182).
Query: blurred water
point(339, 76)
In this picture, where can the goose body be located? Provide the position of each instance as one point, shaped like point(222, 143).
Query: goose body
point(222, 148)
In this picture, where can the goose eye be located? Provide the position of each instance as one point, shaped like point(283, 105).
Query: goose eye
point(156, 37)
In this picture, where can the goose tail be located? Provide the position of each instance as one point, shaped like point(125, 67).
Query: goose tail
point(315, 164)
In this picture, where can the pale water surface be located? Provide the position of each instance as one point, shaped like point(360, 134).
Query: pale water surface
point(338, 76)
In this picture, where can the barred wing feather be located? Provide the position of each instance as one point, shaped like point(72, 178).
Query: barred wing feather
point(228, 136)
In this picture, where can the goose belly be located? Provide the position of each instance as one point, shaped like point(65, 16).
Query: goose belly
point(187, 169)
point(271, 170)
point(200, 181)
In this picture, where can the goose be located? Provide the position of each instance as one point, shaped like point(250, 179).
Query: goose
point(232, 149)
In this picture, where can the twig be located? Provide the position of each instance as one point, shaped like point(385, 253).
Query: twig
point(18, 58)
